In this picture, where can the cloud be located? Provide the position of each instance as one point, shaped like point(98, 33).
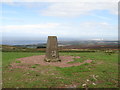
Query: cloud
point(77, 9)
point(86, 29)
point(27, 27)
point(12, 19)
point(99, 27)
point(64, 8)
point(101, 17)
point(28, 30)
point(60, 0)
point(69, 8)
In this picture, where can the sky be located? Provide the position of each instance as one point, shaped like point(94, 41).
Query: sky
point(36, 20)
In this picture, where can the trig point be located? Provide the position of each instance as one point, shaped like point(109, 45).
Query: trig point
point(52, 54)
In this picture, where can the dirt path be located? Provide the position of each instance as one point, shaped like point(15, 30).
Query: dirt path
point(39, 59)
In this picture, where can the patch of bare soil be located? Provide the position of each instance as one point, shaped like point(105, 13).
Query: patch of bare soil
point(39, 59)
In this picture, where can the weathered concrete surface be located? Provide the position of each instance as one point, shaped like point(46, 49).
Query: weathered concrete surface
point(52, 54)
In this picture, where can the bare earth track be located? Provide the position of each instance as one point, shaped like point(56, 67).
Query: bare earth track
point(39, 59)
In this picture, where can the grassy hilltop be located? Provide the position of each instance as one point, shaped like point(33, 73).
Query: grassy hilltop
point(101, 73)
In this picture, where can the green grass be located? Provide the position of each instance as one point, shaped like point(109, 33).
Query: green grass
point(34, 66)
point(104, 66)
point(18, 61)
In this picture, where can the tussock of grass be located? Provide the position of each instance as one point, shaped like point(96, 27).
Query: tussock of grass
point(18, 61)
point(34, 66)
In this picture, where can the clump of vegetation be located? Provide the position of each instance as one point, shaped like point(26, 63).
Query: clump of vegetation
point(34, 66)
point(18, 61)
point(86, 63)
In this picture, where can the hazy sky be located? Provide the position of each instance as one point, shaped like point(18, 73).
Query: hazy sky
point(74, 20)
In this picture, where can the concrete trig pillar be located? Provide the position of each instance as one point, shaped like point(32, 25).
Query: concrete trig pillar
point(52, 54)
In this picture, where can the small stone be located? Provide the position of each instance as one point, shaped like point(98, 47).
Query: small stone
point(93, 83)
point(88, 80)
point(84, 85)
point(17, 87)
point(9, 79)
point(44, 80)
point(52, 74)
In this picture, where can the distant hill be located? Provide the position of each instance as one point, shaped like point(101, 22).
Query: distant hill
point(16, 49)
point(90, 44)
point(90, 47)
point(64, 45)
